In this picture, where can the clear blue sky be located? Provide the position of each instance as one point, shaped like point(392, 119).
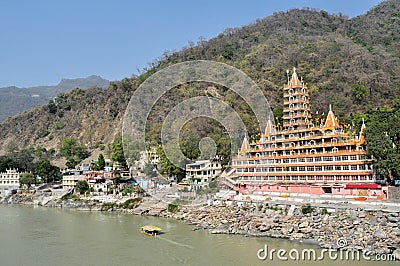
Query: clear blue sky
point(43, 41)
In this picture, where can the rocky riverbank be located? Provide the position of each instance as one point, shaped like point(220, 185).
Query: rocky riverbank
point(369, 231)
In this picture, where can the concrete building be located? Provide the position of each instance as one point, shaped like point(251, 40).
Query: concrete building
point(70, 178)
point(202, 172)
point(9, 181)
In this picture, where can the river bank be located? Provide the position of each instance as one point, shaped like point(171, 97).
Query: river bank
point(368, 231)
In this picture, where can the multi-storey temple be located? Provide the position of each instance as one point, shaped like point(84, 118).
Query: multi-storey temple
point(303, 157)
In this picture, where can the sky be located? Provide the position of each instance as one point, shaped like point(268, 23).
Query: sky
point(44, 41)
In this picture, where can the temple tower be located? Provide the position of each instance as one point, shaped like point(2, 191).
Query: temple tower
point(296, 105)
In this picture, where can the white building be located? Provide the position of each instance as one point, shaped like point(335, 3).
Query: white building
point(9, 180)
point(201, 172)
point(70, 179)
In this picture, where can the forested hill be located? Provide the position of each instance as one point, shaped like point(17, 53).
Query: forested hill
point(352, 64)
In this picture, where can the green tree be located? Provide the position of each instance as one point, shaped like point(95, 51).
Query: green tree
point(24, 159)
point(73, 151)
point(27, 179)
point(118, 152)
point(360, 92)
point(82, 186)
point(167, 168)
point(382, 134)
point(7, 162)
point(101, 163)
point(46, 171)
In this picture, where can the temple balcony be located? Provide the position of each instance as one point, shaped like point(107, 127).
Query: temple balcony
point(295, 101)
point(297, 93)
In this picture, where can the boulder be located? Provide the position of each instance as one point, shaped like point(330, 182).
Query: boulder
point(287, 229)
point(306, 230)
point(396, 254)
point(303, 224)
point(380, 234)
point(361, 215)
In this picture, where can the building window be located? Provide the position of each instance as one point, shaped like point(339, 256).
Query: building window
point(354, 167)
point(328, 168)
point(345, 167)
point(311, 178)
point(354, 177)
point(319, 178)
point(310, 168)
point(338, 158)
point(353, 157)
point(302, 168)
point(338, 168)
point(318, 168)
point(345, 157)
point(310, 159)
point(361, 167)
point(338, 178)
point(328, 158)
point(317, 159)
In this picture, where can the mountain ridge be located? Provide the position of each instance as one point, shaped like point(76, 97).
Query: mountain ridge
point(14, 100)
point(345, 62)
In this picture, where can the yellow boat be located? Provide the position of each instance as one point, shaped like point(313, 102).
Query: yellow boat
point(151, 230)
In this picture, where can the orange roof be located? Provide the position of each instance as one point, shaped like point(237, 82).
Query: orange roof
point(269, 129)
point(331, 121)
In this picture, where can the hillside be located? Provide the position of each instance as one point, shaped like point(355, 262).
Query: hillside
point(14, 100)
point(350, 63)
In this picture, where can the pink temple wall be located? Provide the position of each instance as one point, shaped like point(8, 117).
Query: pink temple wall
point(310, 189)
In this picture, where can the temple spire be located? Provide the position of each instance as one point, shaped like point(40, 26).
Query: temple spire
point(331, 122)
point(294, 81)
point(245, 145)
point(361, 136)
point(269, 129)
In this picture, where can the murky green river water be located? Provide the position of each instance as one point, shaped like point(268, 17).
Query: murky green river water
point(45, 236)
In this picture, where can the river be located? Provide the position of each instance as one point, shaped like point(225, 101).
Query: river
point(47, 236)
